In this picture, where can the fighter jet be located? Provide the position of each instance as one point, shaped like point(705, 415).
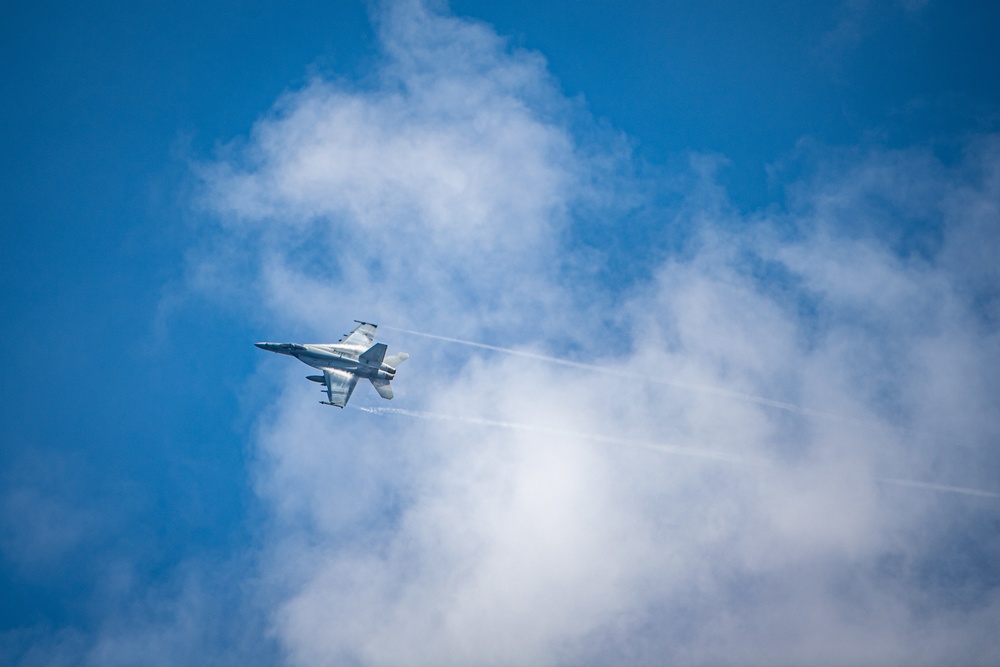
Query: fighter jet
point(354, 356)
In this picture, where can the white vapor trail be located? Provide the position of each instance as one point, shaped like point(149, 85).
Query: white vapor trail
point(946, 488)
point(668, 449)
point(718, 391)
point(657, 447)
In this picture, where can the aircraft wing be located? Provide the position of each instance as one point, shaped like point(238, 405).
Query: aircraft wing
point(363, 334)
point(339, 386)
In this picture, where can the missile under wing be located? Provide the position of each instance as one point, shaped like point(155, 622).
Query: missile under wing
point(353, 357)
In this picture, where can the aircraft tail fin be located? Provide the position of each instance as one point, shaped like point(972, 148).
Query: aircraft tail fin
point(396, 359)
point(374, 355)
point(383, 388)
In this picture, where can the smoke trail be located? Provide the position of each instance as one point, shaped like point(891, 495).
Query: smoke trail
point(657, 447)
point(594, 368)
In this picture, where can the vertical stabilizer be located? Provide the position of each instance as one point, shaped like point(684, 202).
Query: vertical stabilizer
point(374, 355)
point(396, 359)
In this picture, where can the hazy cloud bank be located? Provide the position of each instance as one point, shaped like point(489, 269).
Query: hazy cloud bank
point(440, 195)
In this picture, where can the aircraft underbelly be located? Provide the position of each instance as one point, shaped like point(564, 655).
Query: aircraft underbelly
point(330, 362)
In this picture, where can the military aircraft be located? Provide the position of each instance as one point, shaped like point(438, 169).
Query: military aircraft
point(343, 363)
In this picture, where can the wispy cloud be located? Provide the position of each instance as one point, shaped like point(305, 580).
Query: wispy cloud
point(448, 168)
point(440, 196)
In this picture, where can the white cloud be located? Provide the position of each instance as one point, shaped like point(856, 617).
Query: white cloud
point(440, 195)
point(449, 169)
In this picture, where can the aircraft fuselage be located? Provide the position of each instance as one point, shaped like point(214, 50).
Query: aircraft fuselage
point(341, 357)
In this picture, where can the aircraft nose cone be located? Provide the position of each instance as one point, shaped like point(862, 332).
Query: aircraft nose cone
point(281, 348)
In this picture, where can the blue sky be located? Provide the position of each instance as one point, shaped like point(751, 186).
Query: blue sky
point(717, 205)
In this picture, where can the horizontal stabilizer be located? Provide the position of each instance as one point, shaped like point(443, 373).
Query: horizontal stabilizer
point(383, 388)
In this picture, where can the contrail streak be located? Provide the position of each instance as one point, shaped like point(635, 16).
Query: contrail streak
point(660, 447)
point(657, 447)
point(594, 368)
point(938, 487)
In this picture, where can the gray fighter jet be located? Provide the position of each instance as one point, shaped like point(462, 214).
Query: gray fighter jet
point(343, 363)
